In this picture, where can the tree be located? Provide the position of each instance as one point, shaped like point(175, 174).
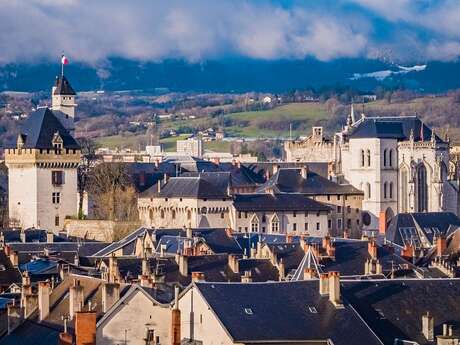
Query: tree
point(114, 194)
point(88, 161)
point(3, 197)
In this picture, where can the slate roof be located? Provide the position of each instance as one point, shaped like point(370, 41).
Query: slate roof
point(277, 202)
point(210, 186)
point(127, 242)
point(429, 223)
point(291, 181)
point(279, 312)
point(39, 129)
point(31, 333)
point(10, 274)
point(31, 235)
point(393, 127)
point(63, 87)
point(145, 175)
point(394, 308)
point(262, 168)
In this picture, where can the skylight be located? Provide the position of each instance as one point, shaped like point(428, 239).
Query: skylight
point(248, 311)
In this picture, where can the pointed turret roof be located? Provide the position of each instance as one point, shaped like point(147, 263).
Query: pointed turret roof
point(63, 87)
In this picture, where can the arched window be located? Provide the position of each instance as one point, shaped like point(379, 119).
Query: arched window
point(390, 158)
point(204, 210)
point(362, 158)
point(404, 185)
point(368, 190)
point(385, 190)
point(255, 224)
point(368, 153)
point(385, 157)
point(391, 190)
point(275, 224)
point(422, 189)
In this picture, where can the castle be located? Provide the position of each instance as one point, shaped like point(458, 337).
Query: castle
point(399, 163)
point(43, 164)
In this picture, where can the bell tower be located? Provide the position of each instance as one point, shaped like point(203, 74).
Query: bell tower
point(63, 100)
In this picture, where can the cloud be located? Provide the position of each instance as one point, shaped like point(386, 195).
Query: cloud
point(153, 30)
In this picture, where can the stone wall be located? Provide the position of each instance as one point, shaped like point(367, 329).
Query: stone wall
point(98, 230)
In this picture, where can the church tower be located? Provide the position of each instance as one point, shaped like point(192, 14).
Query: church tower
point(43, 170)
point(63, 102)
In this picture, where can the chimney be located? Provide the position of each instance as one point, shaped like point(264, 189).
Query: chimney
point(229, 232)
point(275, 169)
point(304, 172)
point(114, 274)
point(49, 237)
point(259, 250)
point(308, 273)
point(197, 276)
point(30, 304)
point(372, 249)
point(22, 236)
point(233, 263)
point(288, 238)
point(145, 267)
point(378, 267)
point(253, 252)
point(428, 326)
point(146, 281)
point(247, 277)
point(110, 295)
point(159, 186)
point(165, 178)
point(65, 339)
point(157, 163)
point(326, 241)
point(441, 245)
point(408, 252)
point(334, 288)
point(324, 284)
point(76, 298)
point(7, 250)
point(43, 299)
point(189, 232)
point(176, 320)
point(383, 223)
point(15, 317)
point(346, 233)
point(85, 328)
point(183, 265)
point(281, 270)
point(14, 257)
point(162, 250)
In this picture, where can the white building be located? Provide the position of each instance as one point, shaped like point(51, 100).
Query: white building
point(43, 169)
point(190, 147)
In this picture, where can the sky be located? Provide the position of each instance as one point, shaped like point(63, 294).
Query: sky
point(92, 31)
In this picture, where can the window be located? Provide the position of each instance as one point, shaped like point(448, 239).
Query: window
point(56, 221)
point(368, 154)
point(204, 210)
point(306, 213)
point(362, 158)
point(348, 209)
point(56, 198)
point(368, 190)
point(329, 223)
point(385, 190)
point(349, 223)
point(263, 229)
point(306, 226)
point(275, 224)
point(294, 227)
point(390, 158)
point(57, 178)
point(222, 215)
point(264, 218)
point(245, 215)
point(328, 197)
point(404, 199)
point(239, 214)
point(391, 190)
point(255, 224)
point(317, 226)
point(385, 157)
point(339, 209)
point(294, 213)
point(248, 311)
point(339, 223)
point(422, 189)
point(338, 197)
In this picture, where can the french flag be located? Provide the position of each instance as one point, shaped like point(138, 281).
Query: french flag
point(64, 60)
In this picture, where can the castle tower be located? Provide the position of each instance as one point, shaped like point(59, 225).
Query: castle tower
point(42, 173)
point(63, 102)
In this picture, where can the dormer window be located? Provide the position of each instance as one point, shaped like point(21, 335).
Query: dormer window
point(57, 143)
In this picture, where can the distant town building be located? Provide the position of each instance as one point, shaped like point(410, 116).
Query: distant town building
point(191, 147)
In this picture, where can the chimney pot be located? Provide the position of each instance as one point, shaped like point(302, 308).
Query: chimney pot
point(334, 288)
point(428, 326)
point(324, 284)
point(110, 295)
point(43, 299)
point(197, 276)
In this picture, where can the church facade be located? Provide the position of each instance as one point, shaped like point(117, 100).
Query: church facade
point(42, 165)
point(399, 163)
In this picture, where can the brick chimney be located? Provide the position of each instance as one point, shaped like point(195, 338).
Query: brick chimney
point(308, 273)
point(183, 265)
point(65, 339)
point(43, 299)
point(408, 252)
point(85, 328)
point(326, 242)
point(324, 284)
point(110, 295)
point(372, 249)
point(233, 263)
point(229, 232)
point(76, 298)
point(49, 237)
point(198, 276)
point(289, 238)
point(176, 320)
point(13, 257)
point(247, 277)
point(281, 270)
point(383, 223)
point(304, 172)
point(15, 317)
point(346, 233)
point(441, 245)
point(428, 326)
point(334, 288)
